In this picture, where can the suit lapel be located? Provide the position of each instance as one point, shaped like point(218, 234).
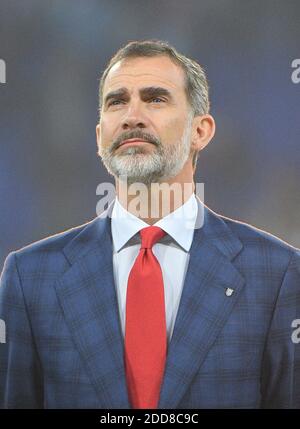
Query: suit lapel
point(86, 292)
point(204, 305)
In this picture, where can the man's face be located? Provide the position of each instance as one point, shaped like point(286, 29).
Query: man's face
point(144, 98)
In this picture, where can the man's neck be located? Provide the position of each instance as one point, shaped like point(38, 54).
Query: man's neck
point(153, 202)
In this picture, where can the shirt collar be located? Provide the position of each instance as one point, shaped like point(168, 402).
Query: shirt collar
point(179, 224)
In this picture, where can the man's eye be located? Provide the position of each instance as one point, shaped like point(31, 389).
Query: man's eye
point(114, 103)
point(157, 98)
point(117, 102)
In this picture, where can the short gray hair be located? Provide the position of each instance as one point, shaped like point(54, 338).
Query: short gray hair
point(196, 86)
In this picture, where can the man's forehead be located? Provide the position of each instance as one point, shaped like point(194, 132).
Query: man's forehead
point(143, 70)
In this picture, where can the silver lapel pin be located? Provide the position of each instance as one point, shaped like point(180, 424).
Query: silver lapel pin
point(229, 291)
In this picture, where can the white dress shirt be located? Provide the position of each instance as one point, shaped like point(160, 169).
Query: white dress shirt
point(172, 252)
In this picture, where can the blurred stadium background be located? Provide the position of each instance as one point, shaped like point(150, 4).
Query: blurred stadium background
point(55, 52)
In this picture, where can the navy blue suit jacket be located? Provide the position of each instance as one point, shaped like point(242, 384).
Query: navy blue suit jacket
point(64, 346)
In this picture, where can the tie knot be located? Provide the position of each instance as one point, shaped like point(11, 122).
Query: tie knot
point(150, 235)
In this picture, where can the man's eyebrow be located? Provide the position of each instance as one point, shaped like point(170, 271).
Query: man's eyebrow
point(147, 92)
point(121, 92)
point(155, 91)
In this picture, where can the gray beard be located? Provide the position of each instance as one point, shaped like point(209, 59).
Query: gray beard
point(137, 164)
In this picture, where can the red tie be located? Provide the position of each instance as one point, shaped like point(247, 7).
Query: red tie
point(145, 331)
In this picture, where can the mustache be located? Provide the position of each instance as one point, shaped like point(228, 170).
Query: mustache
point(134, 135)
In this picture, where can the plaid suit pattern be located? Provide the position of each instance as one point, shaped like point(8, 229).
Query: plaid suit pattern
point(64, 344)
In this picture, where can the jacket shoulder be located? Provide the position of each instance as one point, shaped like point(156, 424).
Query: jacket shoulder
point(249, 233)
point(263, 244)
point(50, 246)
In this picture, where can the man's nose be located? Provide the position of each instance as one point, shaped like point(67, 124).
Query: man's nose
point(134, 117)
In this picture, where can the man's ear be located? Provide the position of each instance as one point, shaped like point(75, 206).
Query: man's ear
point(98, 133)
point(203, 130)
point(98, 136)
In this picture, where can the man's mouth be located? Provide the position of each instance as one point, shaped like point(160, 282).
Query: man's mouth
point(133, 142)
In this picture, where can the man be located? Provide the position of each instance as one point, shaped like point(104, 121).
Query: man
point(141, 310)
